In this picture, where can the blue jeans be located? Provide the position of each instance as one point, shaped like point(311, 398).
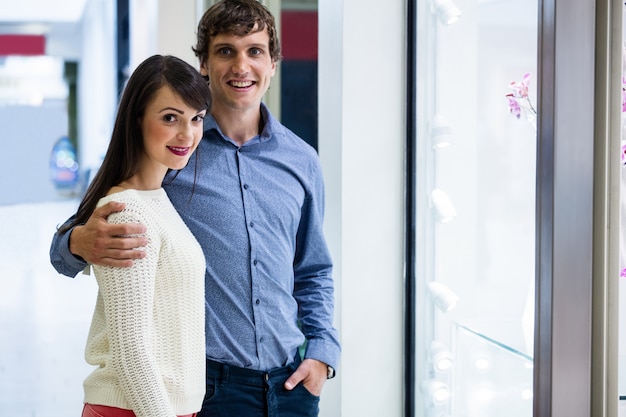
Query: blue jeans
point(234, 392)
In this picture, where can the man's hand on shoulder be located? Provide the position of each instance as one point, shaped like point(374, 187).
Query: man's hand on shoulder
point(101, 243)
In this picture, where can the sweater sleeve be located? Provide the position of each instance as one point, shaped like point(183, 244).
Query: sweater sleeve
point(128, 297)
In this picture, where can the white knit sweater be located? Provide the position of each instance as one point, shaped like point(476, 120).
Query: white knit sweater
point(147, 332)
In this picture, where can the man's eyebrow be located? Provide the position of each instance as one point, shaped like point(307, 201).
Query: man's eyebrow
point(230, 45)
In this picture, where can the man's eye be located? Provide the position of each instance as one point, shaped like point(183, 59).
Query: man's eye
point(223, 51)
point(255, 51)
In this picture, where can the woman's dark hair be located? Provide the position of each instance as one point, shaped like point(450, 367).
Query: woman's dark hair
point(238, 17)
point(126, 147)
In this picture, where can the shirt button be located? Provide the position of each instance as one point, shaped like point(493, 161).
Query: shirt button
point(245, 186)
point(255, 262)
point(251, 224)
point(258, 301)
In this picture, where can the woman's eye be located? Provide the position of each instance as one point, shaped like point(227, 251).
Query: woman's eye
point(169, 118)
point(198, 118)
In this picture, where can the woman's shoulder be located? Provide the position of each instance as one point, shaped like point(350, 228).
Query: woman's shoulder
point(139, 205)
point(129, 195)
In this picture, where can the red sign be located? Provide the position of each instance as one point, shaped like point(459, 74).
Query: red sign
point(22, 45)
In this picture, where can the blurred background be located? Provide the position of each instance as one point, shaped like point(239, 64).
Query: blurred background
point(458, 340)
point(62, 67)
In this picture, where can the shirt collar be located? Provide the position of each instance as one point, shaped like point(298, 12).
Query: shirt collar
point(271, 128)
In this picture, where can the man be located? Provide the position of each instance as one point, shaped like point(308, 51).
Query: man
point(253, 197)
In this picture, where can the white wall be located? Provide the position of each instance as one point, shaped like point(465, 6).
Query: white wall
point(166, 27)
point(36, 129)
point(361, 143)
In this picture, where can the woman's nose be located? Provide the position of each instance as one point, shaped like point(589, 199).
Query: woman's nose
point(185, 132)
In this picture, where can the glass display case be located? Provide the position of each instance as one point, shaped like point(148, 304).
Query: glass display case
point(475, 210)
point(493, 376)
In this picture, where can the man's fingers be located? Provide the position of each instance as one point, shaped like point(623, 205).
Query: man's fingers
point(117, 263)
point(311, 373)
point(124, 236)
point(124, 254)
point(294, 379)
point(118, 257)
point(101, 214)
point(101, 243)
point(108, 208)
point(119, 252)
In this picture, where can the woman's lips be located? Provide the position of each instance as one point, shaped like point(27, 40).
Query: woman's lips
point(178, 150)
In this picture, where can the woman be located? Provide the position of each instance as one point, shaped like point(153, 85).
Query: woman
point(147, 332)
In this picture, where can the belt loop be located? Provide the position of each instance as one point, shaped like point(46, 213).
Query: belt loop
point(225, 373)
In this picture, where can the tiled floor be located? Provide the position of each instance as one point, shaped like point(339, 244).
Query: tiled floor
point(44, 317)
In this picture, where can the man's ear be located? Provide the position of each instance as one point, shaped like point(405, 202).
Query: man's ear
point(203, 69)
point(274, 64)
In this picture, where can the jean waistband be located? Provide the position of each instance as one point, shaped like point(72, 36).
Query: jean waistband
point(229, 373)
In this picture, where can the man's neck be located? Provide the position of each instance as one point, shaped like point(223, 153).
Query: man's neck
point(240, 126)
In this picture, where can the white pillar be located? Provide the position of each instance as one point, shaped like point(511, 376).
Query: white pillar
point(97, 86)
point(361, 144)
point(166, 27)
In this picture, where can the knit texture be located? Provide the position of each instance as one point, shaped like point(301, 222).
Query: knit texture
point(147, 332)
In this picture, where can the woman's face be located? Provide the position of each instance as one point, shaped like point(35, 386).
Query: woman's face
point(171, 131)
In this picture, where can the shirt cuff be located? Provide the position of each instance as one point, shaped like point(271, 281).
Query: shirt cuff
point(323, 351)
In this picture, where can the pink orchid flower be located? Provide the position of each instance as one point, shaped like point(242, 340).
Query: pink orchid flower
point(521, 88)
point(514, 106)
point(520, 102)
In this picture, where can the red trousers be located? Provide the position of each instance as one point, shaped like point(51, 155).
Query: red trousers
point(91, 410)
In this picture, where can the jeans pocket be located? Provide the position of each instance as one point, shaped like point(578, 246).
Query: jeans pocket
point(305, 390)
point(211, 390)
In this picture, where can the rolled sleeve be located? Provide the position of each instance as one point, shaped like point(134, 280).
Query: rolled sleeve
point(62, 259)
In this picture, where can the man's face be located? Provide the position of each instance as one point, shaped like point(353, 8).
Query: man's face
point(239, 69)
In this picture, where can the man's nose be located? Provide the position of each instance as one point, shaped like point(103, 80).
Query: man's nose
point(241, 65)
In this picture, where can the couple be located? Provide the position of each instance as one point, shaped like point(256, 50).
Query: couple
point(252, 196)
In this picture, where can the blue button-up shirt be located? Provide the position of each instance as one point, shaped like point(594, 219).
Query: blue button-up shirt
point(257, 211)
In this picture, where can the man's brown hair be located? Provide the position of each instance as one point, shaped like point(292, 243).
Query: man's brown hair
point(238, 17)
